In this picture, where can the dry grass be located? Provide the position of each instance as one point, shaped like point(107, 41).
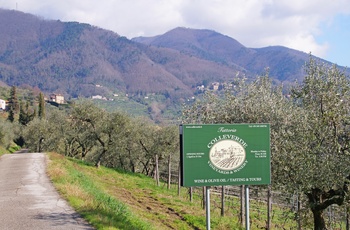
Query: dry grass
point(56, 172)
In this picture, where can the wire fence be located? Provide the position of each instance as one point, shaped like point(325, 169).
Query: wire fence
point(290, 208)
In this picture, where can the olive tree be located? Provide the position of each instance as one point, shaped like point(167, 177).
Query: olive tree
point(317, 163)
point(46, 133)
point(40, 135)
point(79, 140)
point(130, 159)
point(61, 128)
point(149, 143)
point(99, 128)
point(7, 133)
point(115, 134)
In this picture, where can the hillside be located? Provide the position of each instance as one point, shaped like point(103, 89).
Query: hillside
point(80, 60)
point(285, 64)
point(72, 58)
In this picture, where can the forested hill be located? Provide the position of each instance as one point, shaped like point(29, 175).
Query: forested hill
point(73, 58)
point(285, 64)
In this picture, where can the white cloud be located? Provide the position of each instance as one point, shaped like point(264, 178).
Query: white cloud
point(257, 23)
point(254, 23)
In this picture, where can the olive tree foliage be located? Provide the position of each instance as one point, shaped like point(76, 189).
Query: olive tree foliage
point(7, 133)
point(116, 140)
point(98, 131)
point(116, 133)
point(170, 151)
point(111, 139)
point(40, 135)
point(45, 134)
point(59, 126)
point(158, 141)
point(321, 170)
point(133, 152)
point(79, 136)
point(257, 101)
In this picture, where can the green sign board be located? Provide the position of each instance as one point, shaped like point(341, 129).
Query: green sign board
point(225, 154)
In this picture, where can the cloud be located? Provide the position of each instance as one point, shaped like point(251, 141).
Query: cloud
point(257, 23)
point(254, 23)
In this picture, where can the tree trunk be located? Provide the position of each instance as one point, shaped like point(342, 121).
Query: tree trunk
point(319, 223)
point(83, 153)
point(319, 200)
point(299, 212)
point(98, 161)
point(40, 144)
point(145, 169)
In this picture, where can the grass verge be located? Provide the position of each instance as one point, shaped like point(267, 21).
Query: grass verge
point(12, 149)
point(111, 199)
point(99, 208)
point(3, 151)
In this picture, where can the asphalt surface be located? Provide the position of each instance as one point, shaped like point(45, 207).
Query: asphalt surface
point(28, 199)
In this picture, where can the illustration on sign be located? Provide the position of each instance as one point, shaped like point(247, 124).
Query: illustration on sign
point(227, 155)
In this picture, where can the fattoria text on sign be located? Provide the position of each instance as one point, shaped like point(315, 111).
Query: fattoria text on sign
point(225, 154)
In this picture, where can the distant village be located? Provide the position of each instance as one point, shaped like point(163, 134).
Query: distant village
point(58, 99)
point(215, 86)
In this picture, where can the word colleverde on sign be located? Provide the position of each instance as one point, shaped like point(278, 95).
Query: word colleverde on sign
point(225, 154)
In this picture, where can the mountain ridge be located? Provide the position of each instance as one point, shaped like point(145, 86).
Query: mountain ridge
point(221, 48)
point(72, 58)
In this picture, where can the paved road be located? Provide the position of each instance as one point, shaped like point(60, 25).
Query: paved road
point(28, 200)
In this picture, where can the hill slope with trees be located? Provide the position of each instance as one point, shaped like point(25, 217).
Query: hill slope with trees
point(285, 64)
point(74, 58)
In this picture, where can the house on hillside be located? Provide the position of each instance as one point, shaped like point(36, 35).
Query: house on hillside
point(58, 98)
point(99, 97)
point(215, 86)
point(3, 104)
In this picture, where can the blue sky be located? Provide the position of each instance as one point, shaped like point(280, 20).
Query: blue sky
point(337, 35)
point(321, 27)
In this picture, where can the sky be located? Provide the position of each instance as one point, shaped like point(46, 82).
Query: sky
point(319, 27)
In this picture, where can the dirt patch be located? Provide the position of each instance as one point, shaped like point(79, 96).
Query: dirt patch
point(148, 206)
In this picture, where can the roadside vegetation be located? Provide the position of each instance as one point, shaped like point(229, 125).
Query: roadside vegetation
point(7, 135)
point(310, 141)
point(115, 199)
